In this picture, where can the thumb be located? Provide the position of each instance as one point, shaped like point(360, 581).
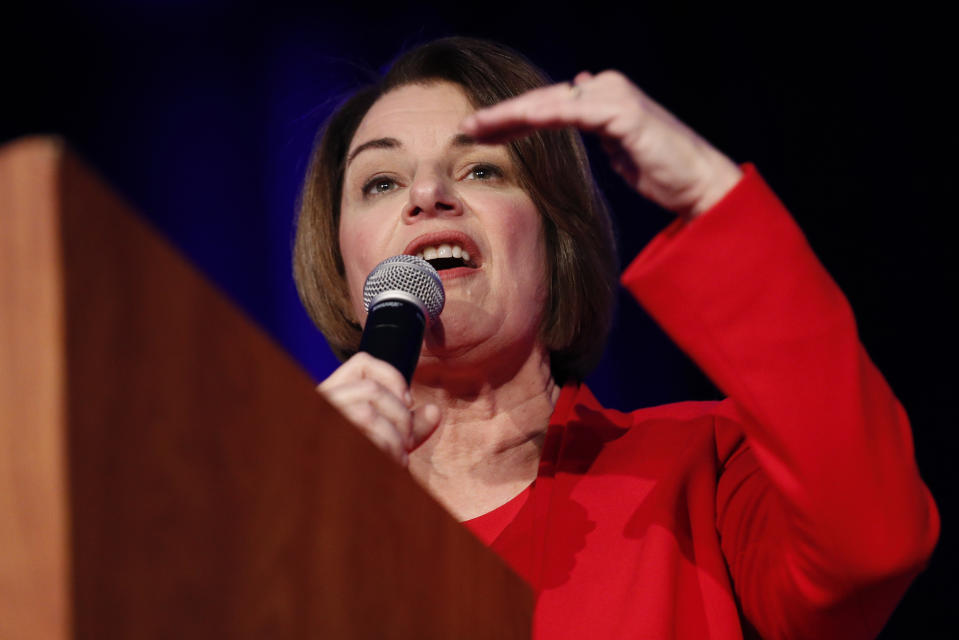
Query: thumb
point(425, 420)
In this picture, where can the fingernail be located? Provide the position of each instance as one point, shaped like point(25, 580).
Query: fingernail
point(408, 398)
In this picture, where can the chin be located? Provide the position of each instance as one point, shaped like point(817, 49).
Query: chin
point(462, 327)
point(478, 351)
point(437, 350)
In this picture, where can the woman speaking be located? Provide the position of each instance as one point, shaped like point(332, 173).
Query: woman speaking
point(793, 508)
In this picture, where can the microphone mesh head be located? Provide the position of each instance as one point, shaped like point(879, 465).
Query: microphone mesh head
point(408, 274)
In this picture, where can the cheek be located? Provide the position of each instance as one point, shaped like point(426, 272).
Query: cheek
point(527, 244)
point(358, 260)
point(526, 238)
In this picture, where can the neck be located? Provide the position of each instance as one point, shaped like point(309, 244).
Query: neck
point(488, 444)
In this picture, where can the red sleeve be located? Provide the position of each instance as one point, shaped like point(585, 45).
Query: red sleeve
point(823, 517)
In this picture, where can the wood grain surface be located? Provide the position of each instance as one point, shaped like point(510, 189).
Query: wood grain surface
point(167, 471)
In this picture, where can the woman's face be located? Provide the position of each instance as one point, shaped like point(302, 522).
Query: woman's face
point(415, 184)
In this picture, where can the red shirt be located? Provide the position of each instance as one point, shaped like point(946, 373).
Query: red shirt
point(795, 504)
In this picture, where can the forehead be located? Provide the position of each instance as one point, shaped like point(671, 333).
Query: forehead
point(415, 110)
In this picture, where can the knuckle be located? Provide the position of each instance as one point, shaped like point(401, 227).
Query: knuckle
point(380, 440)
point(392, 377)
point(397, 385)
point(361, 357)
point(365, 413)
point(368, 387)
point(611, 75)
point(399, 415)
point(387, 438)
point(383, 370)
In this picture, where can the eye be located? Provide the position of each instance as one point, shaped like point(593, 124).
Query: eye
point(484, 172)
point(379, 185)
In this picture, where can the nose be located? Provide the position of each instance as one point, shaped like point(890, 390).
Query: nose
point(431, 195)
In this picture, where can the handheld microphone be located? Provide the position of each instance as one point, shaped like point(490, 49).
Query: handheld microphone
point(402, 295)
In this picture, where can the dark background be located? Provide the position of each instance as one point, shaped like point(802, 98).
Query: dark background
point(202, 115)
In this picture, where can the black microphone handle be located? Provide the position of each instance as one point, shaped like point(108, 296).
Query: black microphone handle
point(394, 333)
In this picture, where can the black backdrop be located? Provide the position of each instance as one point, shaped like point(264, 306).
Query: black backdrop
point(202, 113)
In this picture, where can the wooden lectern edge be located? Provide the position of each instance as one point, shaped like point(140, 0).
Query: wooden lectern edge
point(73, 180)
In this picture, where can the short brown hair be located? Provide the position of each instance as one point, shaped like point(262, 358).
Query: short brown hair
point(554, 171)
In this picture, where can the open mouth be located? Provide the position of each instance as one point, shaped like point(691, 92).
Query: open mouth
point(446, 256)
point(446, 251)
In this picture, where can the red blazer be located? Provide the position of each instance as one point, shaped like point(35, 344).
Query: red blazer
point(795, 506)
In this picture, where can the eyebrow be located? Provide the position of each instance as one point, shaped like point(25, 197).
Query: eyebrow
point(459, 140)
point(378, 143)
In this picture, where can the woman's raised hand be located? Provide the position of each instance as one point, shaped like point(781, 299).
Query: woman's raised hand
point(374, 396)
point(658, 155)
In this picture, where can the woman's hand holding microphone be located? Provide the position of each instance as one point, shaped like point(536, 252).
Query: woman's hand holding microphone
point(373, 395)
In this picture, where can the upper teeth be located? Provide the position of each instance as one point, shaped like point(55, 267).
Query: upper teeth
point(444, 251)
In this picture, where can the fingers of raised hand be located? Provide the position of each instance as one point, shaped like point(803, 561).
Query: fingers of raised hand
point(658, 155)
point(591, 103)
point(582, 76)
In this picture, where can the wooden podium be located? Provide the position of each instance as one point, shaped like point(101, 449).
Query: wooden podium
point(167, 472)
